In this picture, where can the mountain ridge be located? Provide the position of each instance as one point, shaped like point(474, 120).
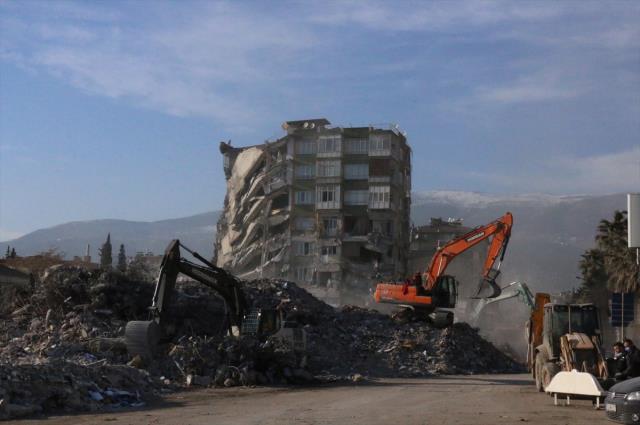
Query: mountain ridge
point(550, 231)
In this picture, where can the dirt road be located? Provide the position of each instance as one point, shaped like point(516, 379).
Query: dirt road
point(448, 400)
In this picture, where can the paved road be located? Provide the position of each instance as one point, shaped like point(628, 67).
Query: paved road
point(478, 400)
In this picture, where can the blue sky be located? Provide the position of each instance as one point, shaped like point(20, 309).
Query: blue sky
point(115, 109)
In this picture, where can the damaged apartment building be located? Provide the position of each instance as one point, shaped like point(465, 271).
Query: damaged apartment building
point(321, 205)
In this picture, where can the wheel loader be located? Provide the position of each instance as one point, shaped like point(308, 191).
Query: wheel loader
point(564, 337)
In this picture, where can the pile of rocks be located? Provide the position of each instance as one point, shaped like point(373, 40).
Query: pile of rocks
point(62, 346)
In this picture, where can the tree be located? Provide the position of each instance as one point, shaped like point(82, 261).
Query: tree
point(13, 253)
point(611, 264)
point(122, 259)
point(106, 259)
point(594, 276)
point(8, 254)
point(140, 270)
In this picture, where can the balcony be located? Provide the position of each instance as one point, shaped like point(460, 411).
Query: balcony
point(380, 152)
point(379, 179)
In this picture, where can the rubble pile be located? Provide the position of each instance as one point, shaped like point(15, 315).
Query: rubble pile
point(62, 346)
point(66, 386)
point(353, 340)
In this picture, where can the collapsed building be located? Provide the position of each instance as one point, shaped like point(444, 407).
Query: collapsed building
point(321, 205)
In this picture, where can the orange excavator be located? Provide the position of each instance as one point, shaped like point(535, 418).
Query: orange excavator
point(425, 293)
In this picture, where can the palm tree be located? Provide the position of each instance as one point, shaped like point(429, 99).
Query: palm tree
point(612, 257)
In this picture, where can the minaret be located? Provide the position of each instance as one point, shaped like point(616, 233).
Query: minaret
point(87, 256)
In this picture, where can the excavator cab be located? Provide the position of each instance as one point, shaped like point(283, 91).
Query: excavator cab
point(271, 324)
point(261, 321)
point(445, 292)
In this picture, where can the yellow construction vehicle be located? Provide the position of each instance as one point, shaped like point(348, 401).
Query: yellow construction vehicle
point(564, 337)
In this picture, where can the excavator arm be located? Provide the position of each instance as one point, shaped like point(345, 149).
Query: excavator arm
point(515, 289)
point(500, 229)
point(223, 283)
point(141, 337)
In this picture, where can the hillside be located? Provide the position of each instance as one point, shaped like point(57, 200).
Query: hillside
point(549, 235)
point(195, 231)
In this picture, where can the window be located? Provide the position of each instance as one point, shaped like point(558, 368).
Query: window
point(304, 197)
point(379, 197)
point(329, 250)
point(306, 147)
point(328, 168)
point(328, 196)
point(329, 144)
point(357, 146)
point(304, 248)
point(356, 197)
point(305, 223)
point(305, 171)
point(330, 226)
point(379, 226)
point(356, 171)
point(326, 193)
point(304, 274)
point(380, 144)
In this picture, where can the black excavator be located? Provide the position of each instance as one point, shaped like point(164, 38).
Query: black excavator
point(142, 337)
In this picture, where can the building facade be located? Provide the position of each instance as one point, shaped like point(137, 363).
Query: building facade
point(321, 205)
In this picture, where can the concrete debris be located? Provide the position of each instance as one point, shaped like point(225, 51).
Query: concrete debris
point(353, 339)
point(62, 348)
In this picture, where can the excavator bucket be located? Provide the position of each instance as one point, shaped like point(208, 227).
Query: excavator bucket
point(488, 288)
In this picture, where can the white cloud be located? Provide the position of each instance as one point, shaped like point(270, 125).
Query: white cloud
point(534, 87)
point(562, 45)
point(193, 65)
point(215, 59)
point(606, 173)
point(596, 174)
point(433, 16)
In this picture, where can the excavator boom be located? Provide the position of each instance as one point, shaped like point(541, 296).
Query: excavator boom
point(142, 336)
point(500, 229)
point(222, 282)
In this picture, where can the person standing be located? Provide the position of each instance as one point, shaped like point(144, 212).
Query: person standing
point(618, 362)
point(632, 365)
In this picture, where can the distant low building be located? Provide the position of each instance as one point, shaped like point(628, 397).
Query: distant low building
point(426, 240)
